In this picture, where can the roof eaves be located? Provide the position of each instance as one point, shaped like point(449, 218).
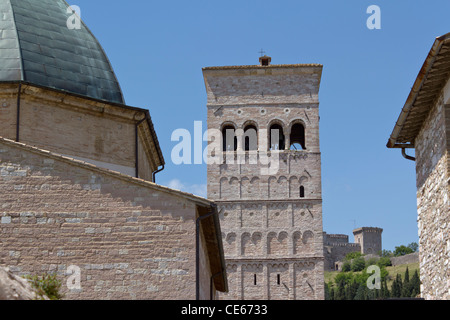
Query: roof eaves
point(272, 66)
point(415, 91)
point(116, 104)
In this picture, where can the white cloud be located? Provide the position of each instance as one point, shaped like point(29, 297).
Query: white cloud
point(197, 189)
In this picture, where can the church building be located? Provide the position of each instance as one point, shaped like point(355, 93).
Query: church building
point(77, 173)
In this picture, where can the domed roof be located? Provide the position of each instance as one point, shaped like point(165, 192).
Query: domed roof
point(38, 47)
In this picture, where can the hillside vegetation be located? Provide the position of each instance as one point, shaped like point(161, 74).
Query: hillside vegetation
point(373, 279)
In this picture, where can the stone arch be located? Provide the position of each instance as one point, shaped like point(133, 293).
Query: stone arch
point(278, 281)
point(308, 240)
point(277, 121)
point(250, 136)
point(251, 244)
point(305, 281)
point(223, 192)
point(230, 244)
point(283, 239)
point(235, 188)
point(245, 240)
point(229, 138)
point(231, 267)
point(277, 244)
point(250, 123)
point(254, 187)
point(296, 121)
point(303, 180)
point(278, 187)
point(257, 243)
point(228, 124)
point(280, 143)
point(246, 188)
point(272, 184)
point(252, 281)
point(297, 242)
point(294, 187)
point(283, 187)
point(233, 283)
point(271, 236)
point(297, 135)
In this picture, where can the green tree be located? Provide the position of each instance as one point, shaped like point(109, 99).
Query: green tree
point(345, 277)
point(406, 288)
point(396, 290)
point(415, 284)
point(413, 246)
point(327, 291)
point(358, 264)
point(384, 262)
point(339, 293)
point(384, 289)
point(372, 261)
point(331, 296)
point(386, 253)
point(351, 289)
point(402, 250)
point(352, 255)
point(372, 294)
point(361, 293)
point(346, 266)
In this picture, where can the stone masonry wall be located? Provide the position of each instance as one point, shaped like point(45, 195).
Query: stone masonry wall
point(272, 234)
point(75, 127)
point(433, 204)
point(130, 241)
point(337, 252)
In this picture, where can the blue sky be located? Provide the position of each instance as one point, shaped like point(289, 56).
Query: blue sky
point(158, 50)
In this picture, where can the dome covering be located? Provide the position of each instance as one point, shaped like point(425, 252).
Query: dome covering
point(36, 46)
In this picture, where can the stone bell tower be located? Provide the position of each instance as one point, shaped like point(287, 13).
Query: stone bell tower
point(267, 180)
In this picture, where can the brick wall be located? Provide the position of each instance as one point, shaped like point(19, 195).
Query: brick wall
point(77, 127)
point(130, 240)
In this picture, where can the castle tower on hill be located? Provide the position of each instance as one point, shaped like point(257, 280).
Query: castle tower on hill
point(337, 246)
point(369, 238)
point(267, 181)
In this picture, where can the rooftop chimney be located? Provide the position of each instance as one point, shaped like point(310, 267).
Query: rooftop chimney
point(265, 60)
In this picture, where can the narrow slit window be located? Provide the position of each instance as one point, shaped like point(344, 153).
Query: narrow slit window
point(278, 279)
point(302, 192)
point(254, 279)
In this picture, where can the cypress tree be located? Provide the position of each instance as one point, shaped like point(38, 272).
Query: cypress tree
point(331, 296)
point(327, 291)
point(384, 290)
point(406, 288)
point(415, 284)
point(394, 288)
point(406, 276)
point(348, 293)
point(397, 287)
point(352, 289)
point(361, 293)
point(340, 291)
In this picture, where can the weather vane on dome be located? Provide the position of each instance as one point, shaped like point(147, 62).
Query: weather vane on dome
point(262, 52)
